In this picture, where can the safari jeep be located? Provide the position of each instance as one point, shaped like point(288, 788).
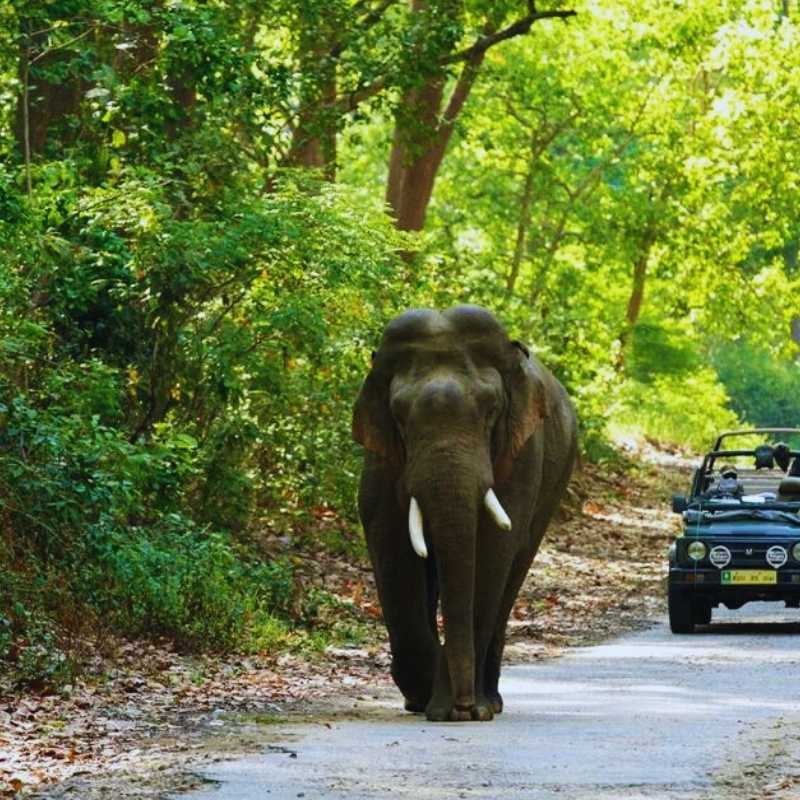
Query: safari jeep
point(741, 528)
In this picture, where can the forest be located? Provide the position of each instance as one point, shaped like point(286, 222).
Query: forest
point(210, 210)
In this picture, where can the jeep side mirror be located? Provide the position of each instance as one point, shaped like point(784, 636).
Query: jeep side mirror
point(679, 503)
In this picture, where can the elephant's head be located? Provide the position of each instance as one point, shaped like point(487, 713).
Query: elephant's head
point(449, 403)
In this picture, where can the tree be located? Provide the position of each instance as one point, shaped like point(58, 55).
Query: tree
point(427, 115)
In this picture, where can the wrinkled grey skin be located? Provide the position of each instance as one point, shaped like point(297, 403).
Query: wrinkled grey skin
point(451, 408)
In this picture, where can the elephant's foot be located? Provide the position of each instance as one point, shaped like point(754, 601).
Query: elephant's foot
point(460, 714)
point(413, 675)
point(438, 712)
point(479, 712)
point(416, 701)
point(496, 702)
point(483, 710)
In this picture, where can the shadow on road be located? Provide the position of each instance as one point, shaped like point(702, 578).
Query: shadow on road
point(750, 628)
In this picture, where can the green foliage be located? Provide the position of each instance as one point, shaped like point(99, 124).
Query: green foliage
point(688, 409)
point(35, 611)
point(764, 391)
point(659, 351)
point(158, 372)
point(31, 644)
point(193, 586)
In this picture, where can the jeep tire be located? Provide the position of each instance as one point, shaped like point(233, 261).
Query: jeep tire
point(701, 611)
point(682, 617)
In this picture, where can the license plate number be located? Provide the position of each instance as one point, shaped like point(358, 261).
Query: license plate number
point(739, 577)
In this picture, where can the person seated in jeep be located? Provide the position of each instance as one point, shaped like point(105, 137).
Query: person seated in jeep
point(728, 484)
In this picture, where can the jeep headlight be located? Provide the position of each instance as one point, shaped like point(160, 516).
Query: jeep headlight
point(696, 551)
point(796, 552)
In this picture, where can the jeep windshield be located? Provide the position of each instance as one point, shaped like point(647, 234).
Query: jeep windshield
point(759, 479)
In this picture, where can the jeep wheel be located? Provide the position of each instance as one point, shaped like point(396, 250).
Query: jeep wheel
point(681, 613)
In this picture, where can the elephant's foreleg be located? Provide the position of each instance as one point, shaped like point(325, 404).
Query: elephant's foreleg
point(497, 562)
point(407, 596)
point(494, 654)
point(551, 494)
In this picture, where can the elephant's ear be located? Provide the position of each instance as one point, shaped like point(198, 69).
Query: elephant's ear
point(373, 426)
point(525, 412)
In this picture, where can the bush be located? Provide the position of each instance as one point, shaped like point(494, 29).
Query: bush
point(687, 410)
point(175, 376)
point(33, 610)
point(658, 350)
point(763, 390)
point(194, 587)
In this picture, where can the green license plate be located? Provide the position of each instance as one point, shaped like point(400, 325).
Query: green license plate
point(743, 577)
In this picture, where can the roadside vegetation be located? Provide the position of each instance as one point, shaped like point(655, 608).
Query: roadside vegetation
point(209, 211)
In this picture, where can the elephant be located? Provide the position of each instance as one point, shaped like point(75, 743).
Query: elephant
point(469, 443)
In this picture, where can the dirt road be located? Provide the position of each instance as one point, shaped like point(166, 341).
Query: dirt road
point(649, 714)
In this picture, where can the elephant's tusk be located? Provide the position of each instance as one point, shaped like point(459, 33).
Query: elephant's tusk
point(497, 511)
point(415, 529)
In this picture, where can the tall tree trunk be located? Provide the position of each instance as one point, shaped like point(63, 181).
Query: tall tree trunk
point(42, 103)
point(540, 279)
point(184, 97)
point(636, 298)
point(423, 127)
point(422, 133)
point(416, 154)
point(637, 290)
point(795, 329)
point(25, 112)
point(314, 139)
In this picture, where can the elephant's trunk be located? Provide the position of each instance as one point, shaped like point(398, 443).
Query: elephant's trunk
point(450, 497)
point(453, 529)
point(448, 475)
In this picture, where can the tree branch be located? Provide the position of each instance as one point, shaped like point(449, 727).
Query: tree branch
point(474, 54)
point(518, 28)
point(461, 92)
point(61, 46)
point(359, 95)
point(376, 13)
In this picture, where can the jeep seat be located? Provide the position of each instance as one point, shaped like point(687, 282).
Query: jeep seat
point(790, 487)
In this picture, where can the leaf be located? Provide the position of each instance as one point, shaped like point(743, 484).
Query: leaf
point(183, 441)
